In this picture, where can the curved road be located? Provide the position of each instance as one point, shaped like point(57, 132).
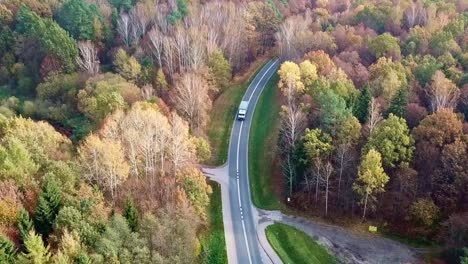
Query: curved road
point(240, 217)
point(243, 213)
point(244, 225)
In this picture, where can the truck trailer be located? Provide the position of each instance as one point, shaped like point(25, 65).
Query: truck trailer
point(244, 105)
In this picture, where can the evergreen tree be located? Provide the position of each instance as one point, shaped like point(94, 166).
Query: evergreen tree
point(79, 18)
point(131, 214)
point(23, 224)
point(35, 252)
point(7, 251)
point(48, 206)
point(398, 104)
point(361, 107)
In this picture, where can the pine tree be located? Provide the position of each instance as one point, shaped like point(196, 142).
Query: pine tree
point(361, 107)
point(398, 104)
point(131, 214)
point(23, 224)
point(35, 252)
point(7, 251)
point(48, 207)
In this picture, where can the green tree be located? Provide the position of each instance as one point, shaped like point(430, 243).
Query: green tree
point(316, 143)
point(398, 103)
point(393, 140)
point(361, 105)
point(385, 45)
point(48, 206)
point(333, 111)
point(104, 94)
point(7, 251)
point(425, 69)
point(118, 244)
point(23, 224)
point(220, 69)
point(464, 258)
point(386, 78)
point(79, 19)
point(372, 17)
point(126, 65)
point(52, 38)
point(122, 5)
point(197, 190)
point(160, 82)
point(36, 252)
point(16, 162)
point(131, 214)
point(371, 179)
point(442, 42)
point(424, 211)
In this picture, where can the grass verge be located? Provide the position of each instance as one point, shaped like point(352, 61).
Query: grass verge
point(213, 243)
point(222, 117)
point(262, 144)
point(294, 246)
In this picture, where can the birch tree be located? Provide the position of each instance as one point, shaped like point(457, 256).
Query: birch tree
point(103, 162)
point(374, 116)
point(88, 60)
point(443, 93)
point(192, 99)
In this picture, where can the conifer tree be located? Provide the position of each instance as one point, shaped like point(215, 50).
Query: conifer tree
point(131, 214)
point(36, 252)
point(361, 108)
point(398, 104)
point(7, 251)
point(48, 206)
point(23, 224)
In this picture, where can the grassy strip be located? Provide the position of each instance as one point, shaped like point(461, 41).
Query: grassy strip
point(295, 246)
point(262, 143)
point(222, 118)
point(213, 244)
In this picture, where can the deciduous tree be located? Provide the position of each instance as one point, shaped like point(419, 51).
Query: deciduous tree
point(371, 179)
point(103, 163)
point(443, 93)
point(393, 140)
point(88, 60)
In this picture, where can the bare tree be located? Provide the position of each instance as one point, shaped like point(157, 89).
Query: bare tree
point(88, 60)
point(103, 163)
point(124, 28)
point(192, 98)
point(443, 93)
point(156, 42)
point(327, 172)
point(343, 159)
point(375, 116)
point(179, 148)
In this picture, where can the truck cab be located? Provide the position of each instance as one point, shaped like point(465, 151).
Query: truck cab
point(242, 110)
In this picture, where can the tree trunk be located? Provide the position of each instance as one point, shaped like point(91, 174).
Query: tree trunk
point(365, 206)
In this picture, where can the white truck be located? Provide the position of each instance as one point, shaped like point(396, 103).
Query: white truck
point(242, 110)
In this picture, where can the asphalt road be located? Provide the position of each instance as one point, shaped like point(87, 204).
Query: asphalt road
point(243, 213)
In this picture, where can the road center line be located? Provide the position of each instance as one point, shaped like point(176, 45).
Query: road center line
point(238, 192)
point(237, 163)
point(261, 78)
